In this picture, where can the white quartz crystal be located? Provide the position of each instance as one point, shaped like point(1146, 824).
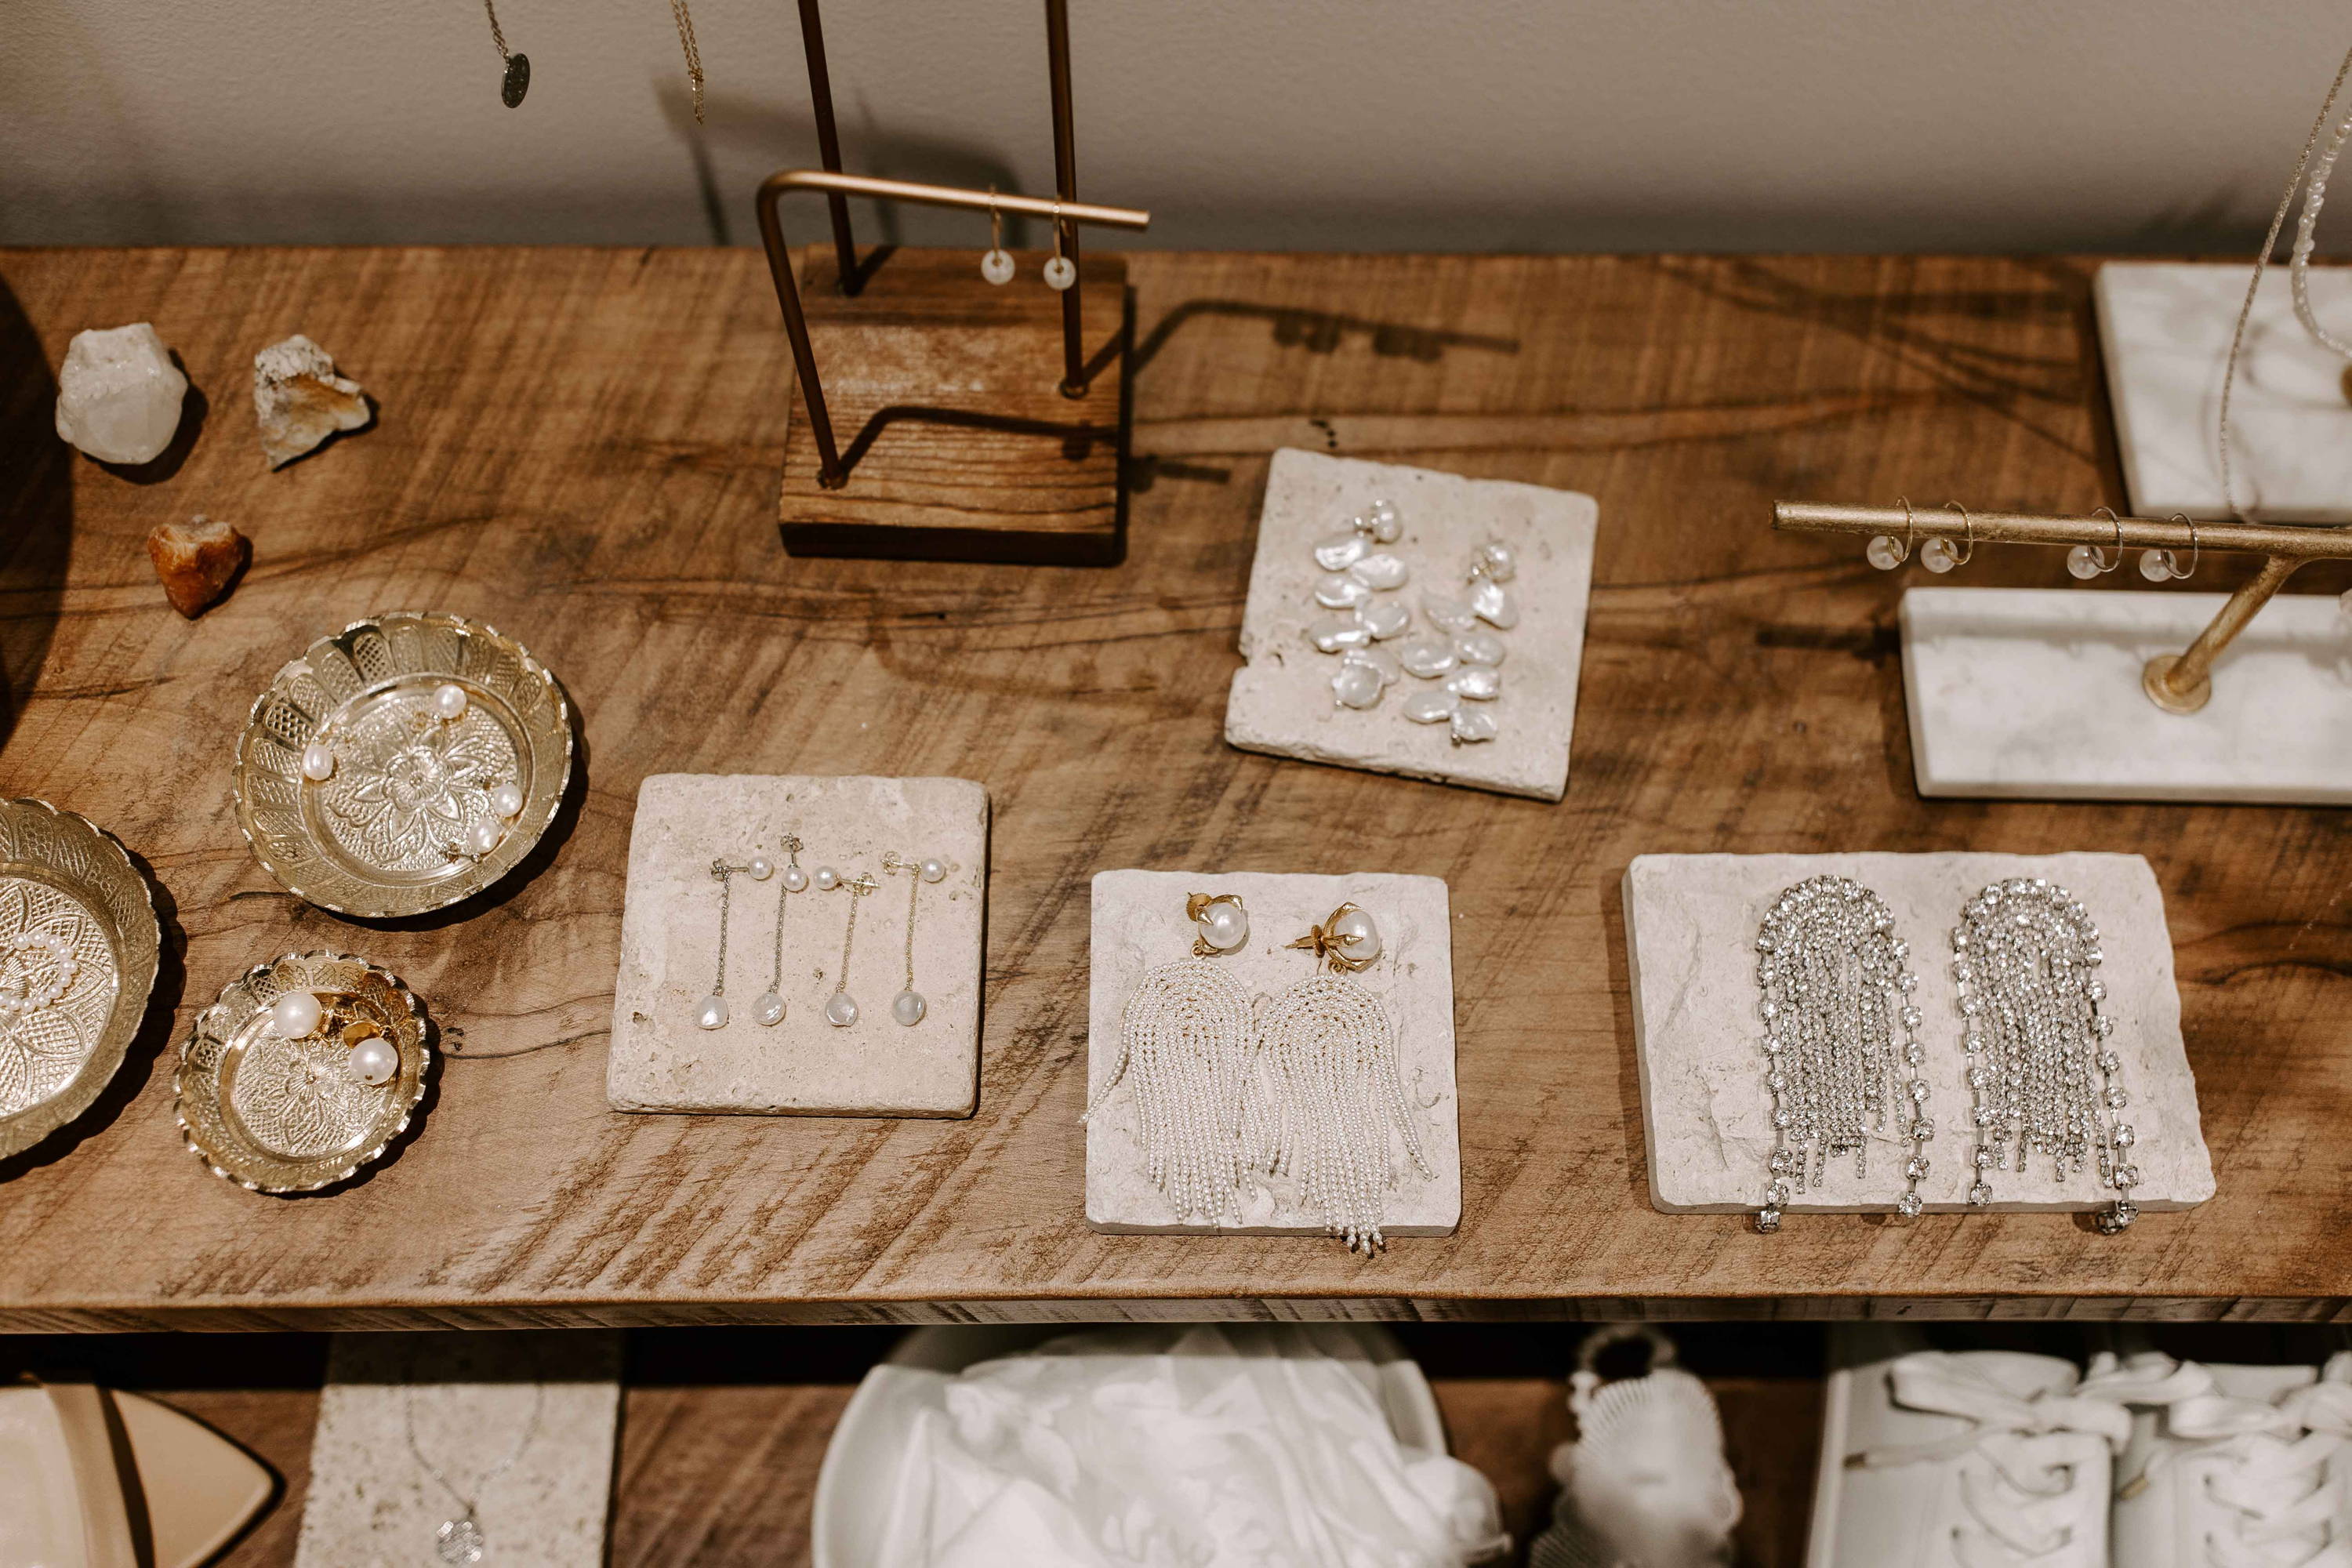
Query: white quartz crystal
point(118, 393)
point(299, 400)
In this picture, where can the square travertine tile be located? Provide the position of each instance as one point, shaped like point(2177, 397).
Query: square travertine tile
point(1282, 699)
point(661, 1061)
point(523, 1423)
point(1691, 922)
point(1139, 923)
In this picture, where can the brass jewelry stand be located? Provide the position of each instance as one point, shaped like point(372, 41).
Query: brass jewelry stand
point(2178, 683)
point(963, 445)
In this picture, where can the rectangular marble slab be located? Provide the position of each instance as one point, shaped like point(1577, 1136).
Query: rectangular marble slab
point(549, 1398)
point(2165, 330)
point(661, 1061)
point(2036, 693)
point(1282, 700)
point(1691, 922)
point(1139, 923)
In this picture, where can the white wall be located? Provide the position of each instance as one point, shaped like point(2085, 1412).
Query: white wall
point(1379, 124)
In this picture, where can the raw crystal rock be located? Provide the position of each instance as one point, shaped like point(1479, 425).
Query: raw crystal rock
point(196, 560)
point(118, 393)
point(299, 400)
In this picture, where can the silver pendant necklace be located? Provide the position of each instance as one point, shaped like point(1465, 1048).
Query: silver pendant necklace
point(515, 80)
point(460, 1542)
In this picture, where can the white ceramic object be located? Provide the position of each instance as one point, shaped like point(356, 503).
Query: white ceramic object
point(1139, 923)
point(1281, 699)
point(196, 1490)
point(805, 1064)
point(118, 393)
point(2036, 693)
point(1691, 922)
point(854, 1483)
point(2165, 330)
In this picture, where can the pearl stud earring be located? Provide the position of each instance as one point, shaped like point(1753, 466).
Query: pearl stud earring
point(368, 1057)
point(712, 1012)
point(997, 264)
point(1223, 923)
point(1348, 941)
point(769, 1010)
point(841, 1008)
point(909, 1005)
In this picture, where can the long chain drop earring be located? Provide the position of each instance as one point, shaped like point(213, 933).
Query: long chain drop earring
point(841, 1008)
point(1184, 1051)
point(997, 264)
point(712, 1013)
point(1061, 271)
point(516, 81)
point(909, 1005)
point(1332, 1054)
point(769, 1010)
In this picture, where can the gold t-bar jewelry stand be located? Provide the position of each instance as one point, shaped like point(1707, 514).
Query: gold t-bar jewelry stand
point(961, 449)
point(2178, 683)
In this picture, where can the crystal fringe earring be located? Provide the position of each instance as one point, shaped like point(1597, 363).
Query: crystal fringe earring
point(909, 1005)
point(1330, 1055)
point(769, 1010)
point(1184, 1049)
point(841, 1008)
point(712, 1013)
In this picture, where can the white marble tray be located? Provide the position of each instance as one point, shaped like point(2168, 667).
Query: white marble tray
point(661, 1061)
point(2035, 692)
point(1281, 699)
point(1139, 924)
point(2165, 330)
point(371, 1505)
point(1690, 943)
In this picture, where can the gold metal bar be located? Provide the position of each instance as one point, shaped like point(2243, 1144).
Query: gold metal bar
point(2183, 683)
point(2291, 542)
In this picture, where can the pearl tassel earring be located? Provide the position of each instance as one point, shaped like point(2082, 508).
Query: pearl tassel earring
point(1331, 1055)
point(1184, 1048)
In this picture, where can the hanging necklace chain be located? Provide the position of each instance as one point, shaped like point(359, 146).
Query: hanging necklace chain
point(2295, 266)
point(483, 1482)
point(693, 55)
point(497, 37)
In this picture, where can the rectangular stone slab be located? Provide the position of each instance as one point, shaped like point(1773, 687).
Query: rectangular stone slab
point(550, 1399)
point(1139, 923)
point(1691, 922)
point(1281, 699)
point(661, 1061)
point(2035, 692)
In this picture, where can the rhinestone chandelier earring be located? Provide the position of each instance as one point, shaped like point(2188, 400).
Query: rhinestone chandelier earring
point(1184, 1053)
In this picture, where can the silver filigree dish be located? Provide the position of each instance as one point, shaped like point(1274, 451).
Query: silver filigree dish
point(276, 1115)
point(374, 776)
point(77, 944)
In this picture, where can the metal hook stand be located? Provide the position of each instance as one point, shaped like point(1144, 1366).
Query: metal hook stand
point(962, 445)
point(2178, 683)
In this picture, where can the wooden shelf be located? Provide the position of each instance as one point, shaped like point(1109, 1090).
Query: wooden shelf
point(581, 446)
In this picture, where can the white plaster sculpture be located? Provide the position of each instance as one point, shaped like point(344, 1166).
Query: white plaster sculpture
point(118, 393)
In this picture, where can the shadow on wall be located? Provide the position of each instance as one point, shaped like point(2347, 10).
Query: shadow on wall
point(36, 497)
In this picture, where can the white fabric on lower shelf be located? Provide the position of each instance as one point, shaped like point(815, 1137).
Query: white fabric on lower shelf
point(1195, 1447)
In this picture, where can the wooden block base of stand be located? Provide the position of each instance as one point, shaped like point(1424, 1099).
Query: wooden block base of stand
point(945, 393)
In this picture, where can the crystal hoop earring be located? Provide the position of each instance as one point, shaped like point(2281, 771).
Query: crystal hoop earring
point(2087, 561)
point(1884, 552)
point(2162, 565)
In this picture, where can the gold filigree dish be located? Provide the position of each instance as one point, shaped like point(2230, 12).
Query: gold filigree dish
point(388, 832)
point(275, 1115)
point(77, 944)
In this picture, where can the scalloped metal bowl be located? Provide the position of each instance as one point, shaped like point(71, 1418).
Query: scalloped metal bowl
point(67, 886)
point(275, 1115)
point(384, 836)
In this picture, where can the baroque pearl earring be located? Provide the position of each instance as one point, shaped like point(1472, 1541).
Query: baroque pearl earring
point(841, 1008)
point(909, 1005)
point(769, 1010)
point(712, 1012)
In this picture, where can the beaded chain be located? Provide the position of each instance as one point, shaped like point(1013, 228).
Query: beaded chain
point(2043, 1079)
point(1835, 990)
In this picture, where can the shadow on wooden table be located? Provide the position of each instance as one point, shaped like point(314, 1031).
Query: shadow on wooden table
point(36, 497)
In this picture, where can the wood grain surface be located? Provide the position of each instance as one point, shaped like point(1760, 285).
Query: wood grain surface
point(580, 447)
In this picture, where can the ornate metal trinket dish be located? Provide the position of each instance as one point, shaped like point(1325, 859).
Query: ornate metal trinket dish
point(77, 944)
point(280, 1115)
point(404, 763)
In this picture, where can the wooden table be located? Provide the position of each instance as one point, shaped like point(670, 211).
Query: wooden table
point(580, 447)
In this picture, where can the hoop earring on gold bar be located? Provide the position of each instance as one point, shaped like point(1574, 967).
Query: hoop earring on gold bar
point(2088, 561)
point(2164, 566)
point(997, 264)
point(1060, 272)
point(1939, 555)
point(1883, 553)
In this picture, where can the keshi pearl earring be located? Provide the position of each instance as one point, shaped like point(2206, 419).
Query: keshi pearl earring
point(2163, 565)
point(1886, 552)
point(909, 1005)
point(841, 1008)
point(1331, 1057)
point(997, 264)
point(1060, 272)
point(1184, 1048)
point(2087, 561)
point(769, 1010)
point(712, 1013)
point(1939, 554)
